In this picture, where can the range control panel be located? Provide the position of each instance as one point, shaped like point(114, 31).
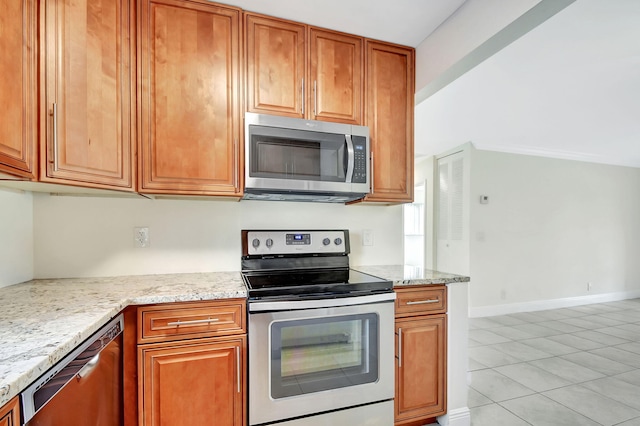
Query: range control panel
point(296, 242)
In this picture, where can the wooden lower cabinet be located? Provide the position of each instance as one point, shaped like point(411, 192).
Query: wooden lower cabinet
point(10, 413)
point(421, 354)
point(192, 363)
point(193, 383)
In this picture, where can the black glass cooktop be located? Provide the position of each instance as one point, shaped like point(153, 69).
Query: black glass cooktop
point(296, 284)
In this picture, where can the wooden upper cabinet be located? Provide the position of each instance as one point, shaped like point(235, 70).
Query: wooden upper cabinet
point(189, 70)
point(304, 72)
point(276, 66)
point(390, 108)
point(87, 108)
point(335, 74)
point(18, 88)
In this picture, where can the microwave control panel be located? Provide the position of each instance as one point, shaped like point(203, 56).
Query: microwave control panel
point(360, 160)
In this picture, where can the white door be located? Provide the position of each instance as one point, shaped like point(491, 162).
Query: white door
point(452, 198)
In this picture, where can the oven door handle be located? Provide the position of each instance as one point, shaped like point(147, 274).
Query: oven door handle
point(263, 306)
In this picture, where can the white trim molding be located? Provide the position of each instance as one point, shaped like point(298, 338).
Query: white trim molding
point(541, 305)
point(557, 154)
point(456, 417)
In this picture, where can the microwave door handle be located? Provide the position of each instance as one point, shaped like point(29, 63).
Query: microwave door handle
point(351, 159)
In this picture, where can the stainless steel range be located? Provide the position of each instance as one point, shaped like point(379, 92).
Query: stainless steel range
point(321, 335)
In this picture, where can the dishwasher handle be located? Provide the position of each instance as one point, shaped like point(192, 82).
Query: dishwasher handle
point(77, 364)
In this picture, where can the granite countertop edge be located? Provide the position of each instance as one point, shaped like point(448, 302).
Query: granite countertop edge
point(45, 319)
point(406, 276)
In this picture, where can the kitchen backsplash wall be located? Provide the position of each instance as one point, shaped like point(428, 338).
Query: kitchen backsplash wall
point(92, 236)
point(16, 237)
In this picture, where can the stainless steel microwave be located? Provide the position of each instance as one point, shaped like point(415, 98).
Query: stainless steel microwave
point(292, 159)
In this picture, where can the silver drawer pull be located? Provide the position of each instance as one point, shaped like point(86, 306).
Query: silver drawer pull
point(202, 321)
point(423, 302)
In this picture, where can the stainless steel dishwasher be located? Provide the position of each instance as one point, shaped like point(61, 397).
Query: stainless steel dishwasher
point(85, 388)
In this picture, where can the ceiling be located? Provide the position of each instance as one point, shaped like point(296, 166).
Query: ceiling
point(405, 22)
point(569, 89)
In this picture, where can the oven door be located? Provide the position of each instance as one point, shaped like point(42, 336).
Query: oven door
point(318, 359)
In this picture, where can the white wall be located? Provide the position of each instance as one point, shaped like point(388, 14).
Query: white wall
point(551, 226)
point(85, 236)
point(16, 237)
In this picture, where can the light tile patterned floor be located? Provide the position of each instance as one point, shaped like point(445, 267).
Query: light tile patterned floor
point(573, 366)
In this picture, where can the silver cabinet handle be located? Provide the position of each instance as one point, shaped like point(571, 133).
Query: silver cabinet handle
point(399, 347)
point(303, 100)
point(315, 98)
point(54, 115)
point(371, 173)
point(236, 167)
point(423, 302)
point(238, 367)
point(202, 321)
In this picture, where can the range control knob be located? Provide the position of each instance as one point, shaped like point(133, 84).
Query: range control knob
point(255, 243)
point(337, 241)
point(326, 242)
point(269, 242)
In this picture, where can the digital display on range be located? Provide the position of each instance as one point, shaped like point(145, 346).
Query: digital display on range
point(298, 239)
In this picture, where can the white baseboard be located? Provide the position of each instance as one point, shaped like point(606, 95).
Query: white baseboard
point(541, 305)
point(456, 417)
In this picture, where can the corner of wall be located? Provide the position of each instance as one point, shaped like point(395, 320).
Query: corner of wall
point(16, 228)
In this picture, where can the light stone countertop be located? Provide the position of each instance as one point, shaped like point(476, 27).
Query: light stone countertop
point(403, 276)
point(41, 321)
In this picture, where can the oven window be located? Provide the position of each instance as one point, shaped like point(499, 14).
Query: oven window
point(319, 354)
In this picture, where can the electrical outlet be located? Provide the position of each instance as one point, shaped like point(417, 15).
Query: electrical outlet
point(141, 236)
point(589, 286)
point(367, 237)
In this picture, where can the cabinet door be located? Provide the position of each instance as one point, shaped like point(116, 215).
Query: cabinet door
point(189, 104)
point(192, 383)
point(18, 49)
point(10, 413)
point(275, 52)
point(421, 368)
point(390, 104)
point(335, 76)
point(87, 112)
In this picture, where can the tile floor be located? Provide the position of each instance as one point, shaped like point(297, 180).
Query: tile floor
point(575, 366)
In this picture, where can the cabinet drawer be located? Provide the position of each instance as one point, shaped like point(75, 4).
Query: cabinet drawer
point(177, 321)
point(417, 301)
